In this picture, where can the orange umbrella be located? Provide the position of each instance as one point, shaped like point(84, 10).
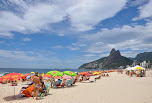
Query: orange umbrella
point(85, 73)
point(27, 74)
point(48, 76)
point(12, 76)
point(57, 77)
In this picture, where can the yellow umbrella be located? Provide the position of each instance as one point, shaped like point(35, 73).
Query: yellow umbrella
point(42, 74)
point(33, 72)
point(139, 68)
point(96, 73)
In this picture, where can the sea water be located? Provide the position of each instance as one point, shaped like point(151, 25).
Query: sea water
point(27, 70)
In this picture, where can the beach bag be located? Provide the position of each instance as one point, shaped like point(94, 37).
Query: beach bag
point(28, 91)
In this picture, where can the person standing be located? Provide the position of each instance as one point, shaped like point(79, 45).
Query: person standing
point(37, 82)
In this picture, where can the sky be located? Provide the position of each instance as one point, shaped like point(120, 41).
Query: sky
point(67, 33)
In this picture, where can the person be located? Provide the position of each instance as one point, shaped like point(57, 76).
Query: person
point(14, 83)
point(88, 78)
point(107, 75)
point(63, 83)
point(42, 86)
point(36, 80)
point(131, 73)
point(103, 75)
point(77, 77)
point(98, 77)
point(52, 81)
point(81, 79)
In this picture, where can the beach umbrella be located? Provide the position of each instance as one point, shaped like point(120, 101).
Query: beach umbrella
point(85, 73)
point(47, 76)
point(27, 74)
point(32, 72)
point(43, 74)
point(5, 73)
point(96, 73)
point(12, 76)
point(137, 68)
point(57, 77)
point(55, 73)
point(67, 77)
point(69, 73)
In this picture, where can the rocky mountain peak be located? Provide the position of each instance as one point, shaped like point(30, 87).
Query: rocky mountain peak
point(113, 51)
point(114, 55)
point(114, 60)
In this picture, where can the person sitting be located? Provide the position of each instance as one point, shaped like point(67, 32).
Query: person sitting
point(97, 77)
point(4, 82)
point(63, 83)
point(42, 86)
point(107, 75)
point(81, 79)
point(88, 78)
point(103, 75)
point(52, 82)
point(14, 83)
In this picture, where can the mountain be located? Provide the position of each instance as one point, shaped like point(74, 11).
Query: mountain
point(114, 60)
point(146, 56)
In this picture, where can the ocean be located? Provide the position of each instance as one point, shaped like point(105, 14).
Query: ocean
point(24, 71)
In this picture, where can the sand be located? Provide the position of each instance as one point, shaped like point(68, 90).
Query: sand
point(118, 88)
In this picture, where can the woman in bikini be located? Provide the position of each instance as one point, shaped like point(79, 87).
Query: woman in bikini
point(37, 82)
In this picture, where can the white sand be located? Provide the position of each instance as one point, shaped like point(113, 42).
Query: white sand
point(118, 88)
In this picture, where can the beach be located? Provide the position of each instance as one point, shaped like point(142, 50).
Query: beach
point(118, 88)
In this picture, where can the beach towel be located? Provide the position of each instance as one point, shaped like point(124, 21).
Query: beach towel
point(28, 91)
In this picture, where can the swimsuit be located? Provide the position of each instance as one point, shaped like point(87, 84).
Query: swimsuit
point(36, 86)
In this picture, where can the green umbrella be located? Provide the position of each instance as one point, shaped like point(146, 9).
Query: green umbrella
point(69, 73)
point(5, 73)
point(55, 73)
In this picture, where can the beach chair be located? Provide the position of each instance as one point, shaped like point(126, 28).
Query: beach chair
point(67, 83)
point(47, 85)
point(47, 89)
point(63, 84)
point(71, 81)
point(58, 83)
point(74, 81)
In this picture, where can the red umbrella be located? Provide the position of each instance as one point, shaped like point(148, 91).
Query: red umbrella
point(57, 77)
point(27, 74)
point(12, 76)
point(48, 76)
point(85, 73)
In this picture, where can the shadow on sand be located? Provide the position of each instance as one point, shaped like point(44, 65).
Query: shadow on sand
point(65, 87)
point(14, 97)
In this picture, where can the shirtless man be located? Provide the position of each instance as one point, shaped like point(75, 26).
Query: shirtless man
point(37, 82)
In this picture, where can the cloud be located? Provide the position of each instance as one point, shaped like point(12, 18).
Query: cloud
point(87, 13)
point(26, 59)
point(144, 11)
point(89, 55)
point(32, 16)
point(136, 37)
point(136, 2)
point(26, 39)
point(1, 42)
point(72, 48)
point(79, 45)
point(58, 47)
point(60, 34)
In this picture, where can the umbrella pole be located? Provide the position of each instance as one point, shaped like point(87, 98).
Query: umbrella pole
point(14, 90)
point(14, 93)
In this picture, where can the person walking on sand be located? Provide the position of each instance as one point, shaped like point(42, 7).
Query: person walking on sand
point(37, 82)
